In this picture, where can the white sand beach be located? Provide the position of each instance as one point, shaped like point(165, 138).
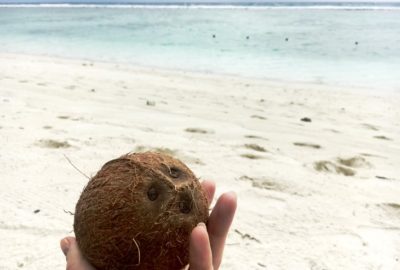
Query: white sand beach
point(322, 193)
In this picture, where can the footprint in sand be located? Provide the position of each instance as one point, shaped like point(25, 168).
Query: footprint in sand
point(271, 184)
point(381, 137)
point(255, 147)
point(251, 156)
point(394, 206)
point(369, 126)
point(354, 162)
point(263, 183)
point(48, 143)
point(391, 208)
point(255, 137)
point(198, 130)
point(258, 117)
point(309, 145)
point(343, 166)
point(331, 167)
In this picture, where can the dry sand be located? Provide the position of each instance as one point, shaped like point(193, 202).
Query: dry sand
point(314, 195)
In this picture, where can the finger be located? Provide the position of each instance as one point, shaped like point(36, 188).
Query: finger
point(64, 244)
point(219, 223)
point(75, 261)
point(200, 256)
point(209, 188)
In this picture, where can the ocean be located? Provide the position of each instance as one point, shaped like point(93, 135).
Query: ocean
point(346, 45)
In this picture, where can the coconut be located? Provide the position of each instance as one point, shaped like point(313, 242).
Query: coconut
point(138, 212)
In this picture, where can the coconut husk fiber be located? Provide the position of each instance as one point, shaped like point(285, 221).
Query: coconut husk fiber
point(138, 212)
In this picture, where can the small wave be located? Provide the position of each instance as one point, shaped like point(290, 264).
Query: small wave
point(198, 6)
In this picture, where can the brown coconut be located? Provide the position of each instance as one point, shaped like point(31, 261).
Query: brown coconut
point(138, 212)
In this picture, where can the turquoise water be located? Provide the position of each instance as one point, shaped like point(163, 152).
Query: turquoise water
point(301, 44)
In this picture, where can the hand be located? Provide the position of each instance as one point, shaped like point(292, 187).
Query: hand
point(206, 244)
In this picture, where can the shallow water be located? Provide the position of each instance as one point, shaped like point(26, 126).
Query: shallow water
point(347, 47)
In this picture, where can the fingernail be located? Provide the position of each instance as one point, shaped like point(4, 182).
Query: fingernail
point(201, 224)
point(65, 246)
point(233, 193)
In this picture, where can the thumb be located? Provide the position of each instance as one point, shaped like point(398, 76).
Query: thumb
point(74, 258)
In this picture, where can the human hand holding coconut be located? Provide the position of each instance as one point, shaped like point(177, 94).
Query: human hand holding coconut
point(199, 246)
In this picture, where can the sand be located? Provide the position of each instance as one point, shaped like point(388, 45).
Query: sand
point(317, 193)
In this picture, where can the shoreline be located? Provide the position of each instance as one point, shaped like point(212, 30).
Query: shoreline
point(198, 73)
point(354, 6)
